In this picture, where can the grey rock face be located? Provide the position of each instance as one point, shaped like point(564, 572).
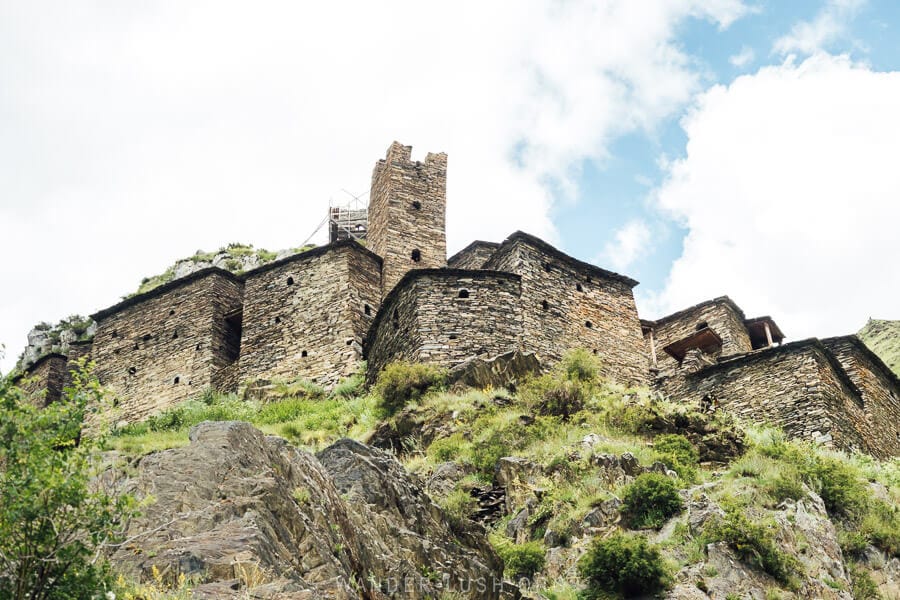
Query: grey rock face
point(246, 512)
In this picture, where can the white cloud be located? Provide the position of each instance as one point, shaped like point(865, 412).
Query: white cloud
point(136, 133)
point(630, 243)
point(789, 190)
point(828, 26)
point(742, 58)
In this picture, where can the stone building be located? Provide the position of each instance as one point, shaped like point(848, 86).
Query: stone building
point(307, 315)
point(833, 391)
point(156, 349)
point(318, 314)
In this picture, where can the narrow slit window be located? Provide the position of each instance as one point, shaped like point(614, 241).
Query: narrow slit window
point(578, 287)
point(463, 293)
point(304, 354)
point(588, 324)
point(367, 309)
point(290, 281)
point(417, 205)
point(177, 380)
point(416, 255)
point(545, 305)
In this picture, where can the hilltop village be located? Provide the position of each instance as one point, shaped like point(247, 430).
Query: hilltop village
point(318, 314)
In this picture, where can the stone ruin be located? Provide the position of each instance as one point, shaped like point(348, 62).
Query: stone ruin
point(318, 314)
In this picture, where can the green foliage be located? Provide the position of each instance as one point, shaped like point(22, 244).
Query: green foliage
point(521, 561)
point(351, 386)
point(678, 453)
point(650, 501)
point(754, 543)
point(54, 522)
point(459, 506)
point(565, 390)
point(623, 564)
point(402, 382)
point(862, 587)
point(883, 337)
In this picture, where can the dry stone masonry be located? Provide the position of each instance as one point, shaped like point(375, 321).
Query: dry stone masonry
point(318, 314)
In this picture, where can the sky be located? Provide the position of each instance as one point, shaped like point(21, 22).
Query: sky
point(702, 147)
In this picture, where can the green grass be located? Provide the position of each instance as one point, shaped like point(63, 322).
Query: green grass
point(304, 415)
point(883, 337)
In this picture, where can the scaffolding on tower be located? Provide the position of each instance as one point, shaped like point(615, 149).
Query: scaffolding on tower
point(348, 220)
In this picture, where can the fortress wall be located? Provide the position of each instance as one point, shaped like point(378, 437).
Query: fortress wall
point(473, 256)
point(719, 315)
point(304, 316)
point(407, 213)
point(44, 381)
point(795, 387)
point(163, 347)
point(878, 419)
point(568, 304)
point(445, 317)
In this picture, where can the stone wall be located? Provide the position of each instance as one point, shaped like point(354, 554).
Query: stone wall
point(799, 387)
point(473, 256)
point(569, 304)
point(878, 418)
point(445, 316)
point(407, 210)
point(44, 380)
point(720, 314)
point(157, 349)
point(306, 316)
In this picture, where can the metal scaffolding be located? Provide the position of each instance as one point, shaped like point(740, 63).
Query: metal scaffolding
point(348, 220)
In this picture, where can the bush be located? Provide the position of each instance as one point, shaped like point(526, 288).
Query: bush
point(459, 506)
point(401, 382)
point(564, 391)
point(650, 501)
point(839, 486)
point(623, 564)
point(754, 543)
point(55, 521)
point(522, 561)
point(678, 453)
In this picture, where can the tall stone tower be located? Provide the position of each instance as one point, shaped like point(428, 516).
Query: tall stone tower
point(407, 213)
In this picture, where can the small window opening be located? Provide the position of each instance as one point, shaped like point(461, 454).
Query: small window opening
point(587, 279)
point(367, 309)
point(350, 342)
point(578, 287)
point(595, 351)
point(547, 267)
point(137, 347)
point(277, 320)
point(290, 281)
point(132, 370)
point(588, 324)
point(702, 325)
point(545, 305)
point(175, 335)
point(199, 346)
point(177, 380)
point(453, 336)
point(417, 205)
point(115, 334)
point(416, 255)
point(304, 354)
point(147, 337)
point(463, 293)
point(171, 312)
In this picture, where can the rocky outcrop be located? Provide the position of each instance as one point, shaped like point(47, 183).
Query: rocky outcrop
point(503, 371)
point(242, 512)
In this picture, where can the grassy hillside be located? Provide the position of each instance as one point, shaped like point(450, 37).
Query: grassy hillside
point(609, 492)
point(883, 337)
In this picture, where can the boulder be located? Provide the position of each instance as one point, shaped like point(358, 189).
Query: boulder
point(506, 370)
point(250, 515)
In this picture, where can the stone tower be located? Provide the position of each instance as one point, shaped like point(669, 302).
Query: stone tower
point(407, 209)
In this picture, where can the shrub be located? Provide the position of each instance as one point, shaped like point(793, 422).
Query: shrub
point(623, 564)
point(402, 382)
point(754, 543)
point(650, 501)
point(839, 486)
point(862, 587)
point(55, 521)
point(678, 453)
point(581, 365)
point(459, 506)
point(349, 387)
point(522, 561)
point(564, 391)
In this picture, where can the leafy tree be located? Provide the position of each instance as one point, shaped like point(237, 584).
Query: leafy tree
point(55, 519)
